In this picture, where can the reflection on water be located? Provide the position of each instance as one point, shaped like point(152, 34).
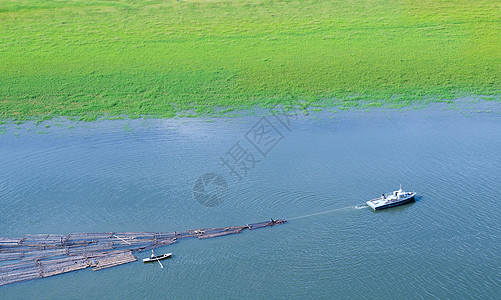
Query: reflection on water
point(138, 175)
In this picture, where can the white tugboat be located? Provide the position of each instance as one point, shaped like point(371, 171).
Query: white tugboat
point(396, 198)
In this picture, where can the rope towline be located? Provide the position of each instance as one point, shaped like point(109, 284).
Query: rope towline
point(327, 211)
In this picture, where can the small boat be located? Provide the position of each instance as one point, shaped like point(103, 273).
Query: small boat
point(154, 257)
point(396, 198)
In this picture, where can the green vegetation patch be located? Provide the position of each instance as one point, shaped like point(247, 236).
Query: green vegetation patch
point(151, 57)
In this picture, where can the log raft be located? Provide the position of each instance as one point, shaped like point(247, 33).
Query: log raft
point(42, 255)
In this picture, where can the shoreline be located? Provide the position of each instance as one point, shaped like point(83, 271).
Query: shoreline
point(471, 102)
point(472, 108)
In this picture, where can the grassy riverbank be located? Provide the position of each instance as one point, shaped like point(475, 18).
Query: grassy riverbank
point(127, 57)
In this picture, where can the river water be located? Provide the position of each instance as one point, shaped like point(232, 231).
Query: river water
point(317, 171)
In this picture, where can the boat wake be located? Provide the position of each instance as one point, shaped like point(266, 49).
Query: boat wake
point(328, 211)
point(360, 206)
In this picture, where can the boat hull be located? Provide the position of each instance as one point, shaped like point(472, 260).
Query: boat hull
point(157, 258)
point(392, 204)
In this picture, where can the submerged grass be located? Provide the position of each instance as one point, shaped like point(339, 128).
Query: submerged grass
point(163, 58)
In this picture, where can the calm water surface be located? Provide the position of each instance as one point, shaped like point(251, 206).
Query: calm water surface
point(138, 176)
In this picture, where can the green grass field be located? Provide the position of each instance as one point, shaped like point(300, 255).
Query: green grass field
point(149, 57)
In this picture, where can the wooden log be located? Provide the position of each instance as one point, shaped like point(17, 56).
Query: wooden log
point(42, 239)
point(76, 243)
point(69, 264)
point(136, 235)
point(119, 241)
point(89, 236)
point(12, 275)
point(42, 236)
point(135, 247)
point(258, 225)
point(163, 235)
point(16, 266)
point(10, 256)
point(265, 224)
point(158, 244)
point(17, 249)
point(91, 248)
point(8, 279)
point(113, 259)
point(33, 255)
point(56, 237)
point(231, 231)
point(18, 272)
point(45, 255)
point(46, 237)
point(5, 241)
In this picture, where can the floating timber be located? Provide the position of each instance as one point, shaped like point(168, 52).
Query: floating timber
point(42, 255)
